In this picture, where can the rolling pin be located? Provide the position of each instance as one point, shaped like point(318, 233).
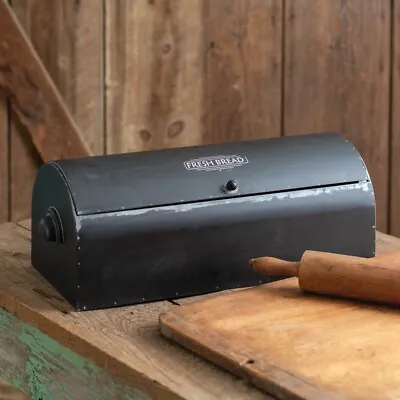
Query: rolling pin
point(375, 279)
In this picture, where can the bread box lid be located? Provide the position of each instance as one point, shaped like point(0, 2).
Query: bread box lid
point(119, 182)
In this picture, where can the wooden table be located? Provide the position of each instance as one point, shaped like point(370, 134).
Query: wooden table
point(50, 351)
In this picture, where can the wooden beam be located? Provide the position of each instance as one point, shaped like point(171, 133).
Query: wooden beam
point(65, 35)
point(34, 96)
point(4, 160)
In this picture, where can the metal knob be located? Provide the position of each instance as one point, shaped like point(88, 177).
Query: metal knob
point(231, 185)
point(50, 227)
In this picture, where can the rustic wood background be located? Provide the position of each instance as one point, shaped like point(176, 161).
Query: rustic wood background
point(147, 74)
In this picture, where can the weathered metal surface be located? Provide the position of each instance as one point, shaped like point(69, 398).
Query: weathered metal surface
point(133, 228)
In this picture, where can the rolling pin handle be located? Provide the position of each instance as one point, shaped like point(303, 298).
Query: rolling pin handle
point(274, 266)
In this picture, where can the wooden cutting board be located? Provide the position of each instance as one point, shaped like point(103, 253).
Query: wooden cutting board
point(293, 345)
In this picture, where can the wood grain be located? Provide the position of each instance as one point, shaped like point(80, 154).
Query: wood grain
point(68, 37)
point(24, 158)
point(394, 210)
point(336, 77)
point(124, 341)
point(32, 93)
point(243, 69)
point(4, 159)
point(43, 369)
point(178, 73)
point(387, 243)
point(24, 164)
point(8, 392)
point(283, 341)
point(26, 224)
point(154, 74)
point(375, 279)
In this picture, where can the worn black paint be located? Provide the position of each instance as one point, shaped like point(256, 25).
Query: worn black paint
point(141, 227)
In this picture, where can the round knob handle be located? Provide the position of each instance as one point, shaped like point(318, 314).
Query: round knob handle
point(231, 185)
point(50, 227)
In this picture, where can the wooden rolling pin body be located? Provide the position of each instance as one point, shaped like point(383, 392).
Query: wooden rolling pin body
point(371, 279)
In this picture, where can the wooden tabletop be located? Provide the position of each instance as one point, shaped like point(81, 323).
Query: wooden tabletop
point(9, 392)
point(49, 349)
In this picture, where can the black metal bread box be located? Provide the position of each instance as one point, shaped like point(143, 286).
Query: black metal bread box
point(129, 228)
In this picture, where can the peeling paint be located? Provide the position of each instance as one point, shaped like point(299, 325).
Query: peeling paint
point(37, 380)
point(365, 186)
point(45, 370)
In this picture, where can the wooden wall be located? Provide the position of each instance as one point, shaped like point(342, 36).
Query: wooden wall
point(146, 74)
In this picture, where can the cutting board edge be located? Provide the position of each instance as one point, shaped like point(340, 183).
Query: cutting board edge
point(264, 376)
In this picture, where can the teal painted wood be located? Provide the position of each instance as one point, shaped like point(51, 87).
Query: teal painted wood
point(44, 370)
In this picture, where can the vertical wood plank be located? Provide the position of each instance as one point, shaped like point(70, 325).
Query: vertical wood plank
point(183, 73)
point(4, 182)
point(153, 74)
point(395, 131)
point(337, 67)
point(68, 36)
point(243, 60)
